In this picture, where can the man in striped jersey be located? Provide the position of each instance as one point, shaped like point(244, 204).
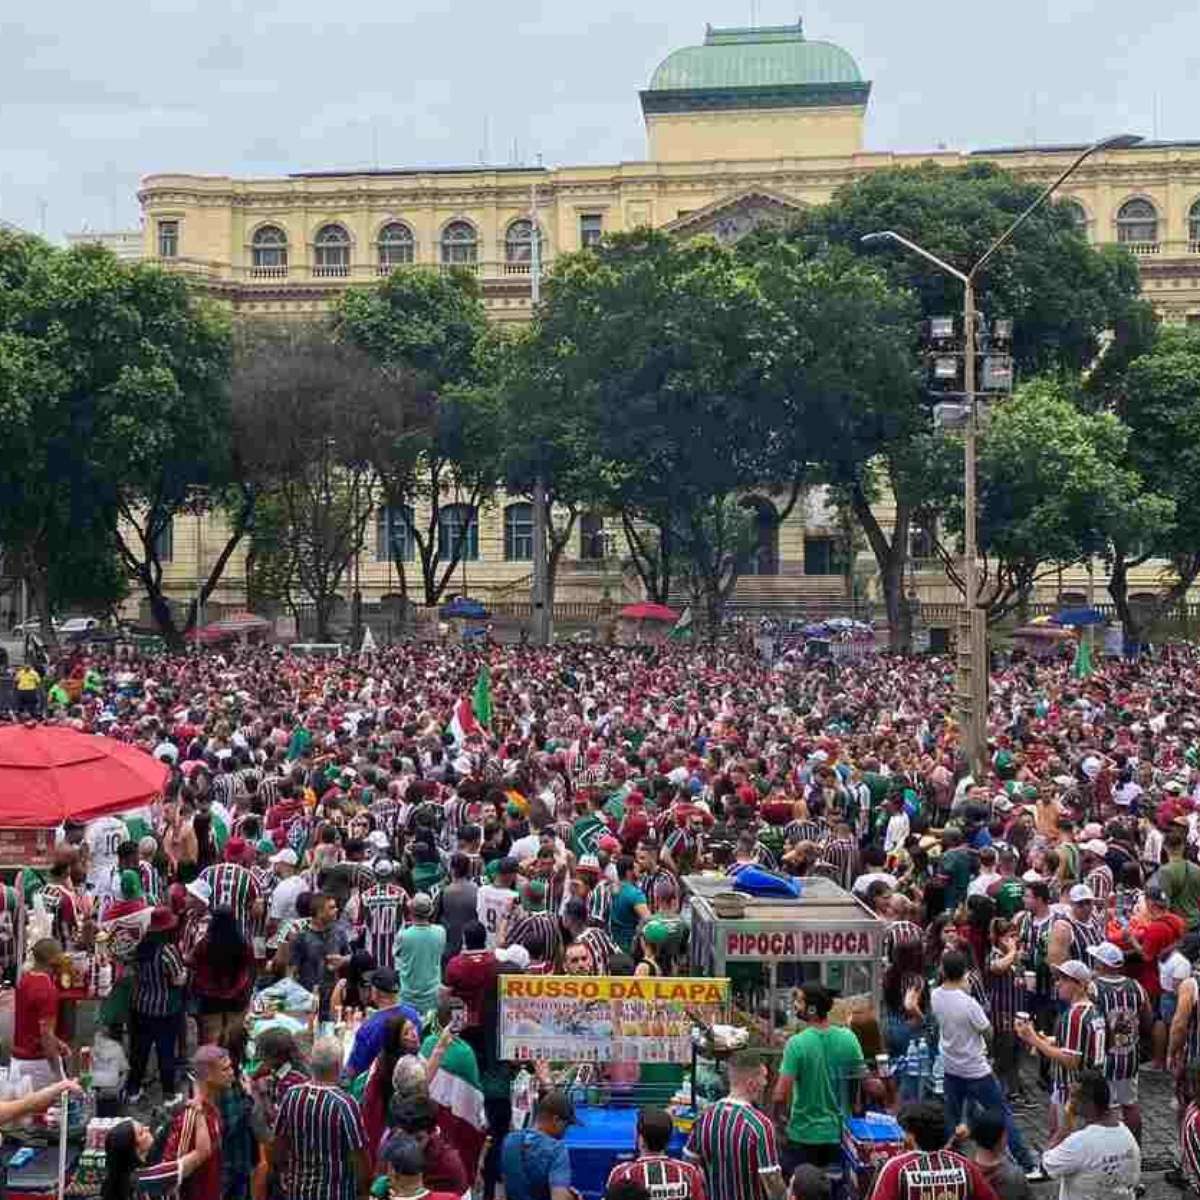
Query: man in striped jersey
point(234, 886)
point(1127, 1019)
point(928, 1171)
point(320, 1149)
point(382, 907)
point(733, 1142)
point(663, 1178)
point(1078, 1042)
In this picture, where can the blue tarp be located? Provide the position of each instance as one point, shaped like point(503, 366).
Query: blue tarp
point(464, 606)
point(1079, 616)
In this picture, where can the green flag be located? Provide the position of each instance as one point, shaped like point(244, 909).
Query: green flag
point(1081, 668)
point(481, 698)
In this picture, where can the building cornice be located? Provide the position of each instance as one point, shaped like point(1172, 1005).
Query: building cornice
point(723, 99)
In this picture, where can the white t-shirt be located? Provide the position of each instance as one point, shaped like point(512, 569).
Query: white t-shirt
point(103, 837)
point(525, 847)
point(962, 1025)
point(1099, 1160)
point(980, 884)
point(897, 832)
point(283, 898)
point(492, 904)
point(1172, 971)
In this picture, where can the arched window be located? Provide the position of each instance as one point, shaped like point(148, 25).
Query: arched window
point(518, 533)
point(458, 526)
point(269, 251)
point(591, 537)
point(395, 247)
point(1194, 228)
point(518, 247)
point(460, 245)
point(331, 249)
point(1078, 215)
point(1137, 225)
point(393, 534)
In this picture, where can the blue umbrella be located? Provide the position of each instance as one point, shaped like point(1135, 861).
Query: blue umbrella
point(464, 606)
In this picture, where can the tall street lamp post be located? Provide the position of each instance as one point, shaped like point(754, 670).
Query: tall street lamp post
point(972, 639)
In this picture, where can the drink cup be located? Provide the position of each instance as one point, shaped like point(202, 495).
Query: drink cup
point(883, 1065)
point(1031, 981)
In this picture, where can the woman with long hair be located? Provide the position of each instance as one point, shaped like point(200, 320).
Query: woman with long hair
point(223, 976)
point(128, 1173)
point(206, 845)
point(401, 1040)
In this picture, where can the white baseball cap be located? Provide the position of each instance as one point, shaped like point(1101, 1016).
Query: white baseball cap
point(1074, 969)
point(1081, 894)
point(1108, 954)
point(287, 856)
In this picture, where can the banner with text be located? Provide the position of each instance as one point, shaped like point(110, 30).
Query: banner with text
point(588, 1018)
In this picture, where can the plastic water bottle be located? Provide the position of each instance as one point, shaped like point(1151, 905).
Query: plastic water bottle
point(939, 1074)
point(924, 1065)
point(522, 1099)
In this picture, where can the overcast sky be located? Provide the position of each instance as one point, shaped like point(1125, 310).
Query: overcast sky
point(92, 96)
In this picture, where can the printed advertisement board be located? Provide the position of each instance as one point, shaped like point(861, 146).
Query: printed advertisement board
point(589, 1018)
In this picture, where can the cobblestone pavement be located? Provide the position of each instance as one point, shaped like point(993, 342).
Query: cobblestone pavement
point(1159, 1137)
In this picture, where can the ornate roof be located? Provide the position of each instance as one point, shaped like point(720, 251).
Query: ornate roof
point(773, 56)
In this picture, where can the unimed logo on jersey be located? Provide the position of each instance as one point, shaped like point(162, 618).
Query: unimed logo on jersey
point(944, 1183)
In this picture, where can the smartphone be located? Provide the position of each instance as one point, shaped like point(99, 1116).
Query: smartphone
point(457, 1018)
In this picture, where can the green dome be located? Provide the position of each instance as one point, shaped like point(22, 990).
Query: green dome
point(772, 57)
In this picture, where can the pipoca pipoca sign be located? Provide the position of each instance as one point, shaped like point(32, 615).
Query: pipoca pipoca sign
point(798, 943)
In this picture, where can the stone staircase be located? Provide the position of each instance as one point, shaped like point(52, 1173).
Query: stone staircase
point(813, 597)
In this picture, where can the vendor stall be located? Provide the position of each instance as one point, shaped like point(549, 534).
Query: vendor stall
point(771, 946)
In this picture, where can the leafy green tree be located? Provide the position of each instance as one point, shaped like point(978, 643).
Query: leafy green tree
point(114, 374)
point(1055, 486)
point(663, 348)
point(1062, 294)
point(442, 448)
point(1157, 396)
point(842, 390)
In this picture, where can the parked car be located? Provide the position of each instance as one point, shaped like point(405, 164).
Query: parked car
point(79, 629)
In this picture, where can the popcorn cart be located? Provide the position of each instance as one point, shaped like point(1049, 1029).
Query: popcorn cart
point(771, 946)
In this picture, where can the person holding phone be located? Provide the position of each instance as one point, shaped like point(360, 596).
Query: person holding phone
point(455, 1083)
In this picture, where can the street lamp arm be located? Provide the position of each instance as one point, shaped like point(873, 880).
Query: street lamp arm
point(890, 235)
point(1122, 141)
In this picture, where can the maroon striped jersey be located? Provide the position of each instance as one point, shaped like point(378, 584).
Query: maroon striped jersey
point(940, 1175)
point(664, 1178)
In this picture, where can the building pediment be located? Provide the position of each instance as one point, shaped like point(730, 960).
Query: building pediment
point(732, 217)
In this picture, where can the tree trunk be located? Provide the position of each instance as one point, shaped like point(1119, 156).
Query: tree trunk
point(1118, 589)
point(891, 555)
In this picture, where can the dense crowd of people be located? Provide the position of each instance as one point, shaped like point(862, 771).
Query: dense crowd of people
point(337, 849)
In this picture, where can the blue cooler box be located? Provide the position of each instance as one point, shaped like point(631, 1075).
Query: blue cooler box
point(603, 1138)
point(868, 1142)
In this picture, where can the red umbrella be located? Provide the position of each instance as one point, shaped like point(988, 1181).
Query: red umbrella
point(49, 774)
point(646, 611)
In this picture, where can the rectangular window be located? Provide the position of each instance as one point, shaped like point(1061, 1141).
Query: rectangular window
point(822, 556)
point(164, 543)
point(168, 239)
point(591, 229)
point(393, 530)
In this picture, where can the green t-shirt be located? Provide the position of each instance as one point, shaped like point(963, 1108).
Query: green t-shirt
point(419, 958)
point(1009, 897)
point(585, 833)
point(623, 920)
point(1181, 881)
point(956, 865)
point(822, 1064)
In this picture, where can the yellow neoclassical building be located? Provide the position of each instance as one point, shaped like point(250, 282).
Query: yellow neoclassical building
point(744, 128)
